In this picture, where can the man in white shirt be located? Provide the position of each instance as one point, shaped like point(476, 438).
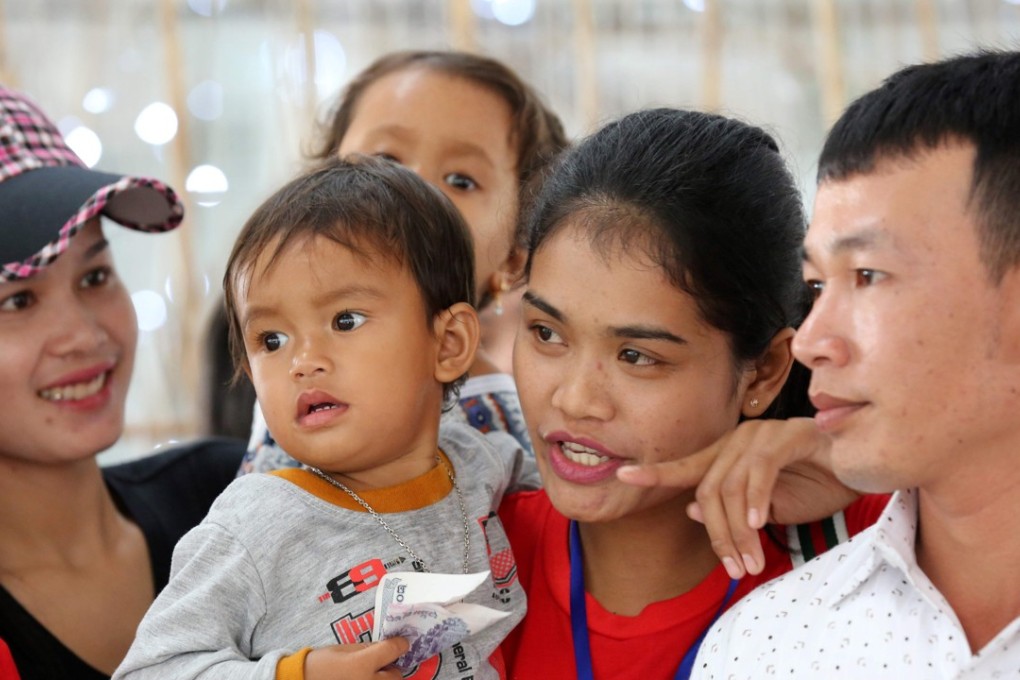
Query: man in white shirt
point(914, 344)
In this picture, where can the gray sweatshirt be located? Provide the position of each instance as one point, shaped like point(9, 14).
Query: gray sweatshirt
point(273, 569)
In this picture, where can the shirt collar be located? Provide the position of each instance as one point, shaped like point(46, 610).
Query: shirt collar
point(888, 544)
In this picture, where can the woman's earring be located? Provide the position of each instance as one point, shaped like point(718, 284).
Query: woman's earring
point(497, 295)
point(754, 402)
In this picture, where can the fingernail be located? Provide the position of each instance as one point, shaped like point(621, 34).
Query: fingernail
point(731, 567)
point(754, 518)
point(694, 512)
point(630, 473)
point(749, 563)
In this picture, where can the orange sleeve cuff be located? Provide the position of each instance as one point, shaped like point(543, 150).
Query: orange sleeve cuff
point(292, 667)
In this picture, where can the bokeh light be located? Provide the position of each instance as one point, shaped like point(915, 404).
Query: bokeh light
point(207, 183)
point(98, 100)
point(207, 8)
point(513, 12)
point(86, 144)
point(205, 100)
point(330, 64)
point(156, 124)
point(150, 308)
point(483, 8)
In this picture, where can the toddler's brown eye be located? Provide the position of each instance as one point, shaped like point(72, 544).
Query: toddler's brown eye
point(348, 321)
point(273, 341)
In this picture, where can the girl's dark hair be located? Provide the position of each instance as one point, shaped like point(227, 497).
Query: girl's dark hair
point(711, 201)
point(373, 207)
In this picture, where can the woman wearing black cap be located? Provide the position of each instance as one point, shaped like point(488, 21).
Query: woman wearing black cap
point(83, 550)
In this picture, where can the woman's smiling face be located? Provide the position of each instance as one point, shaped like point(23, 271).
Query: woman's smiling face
point(615, 365)
point(69, 335)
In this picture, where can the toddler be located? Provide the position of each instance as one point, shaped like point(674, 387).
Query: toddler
point(349, 294)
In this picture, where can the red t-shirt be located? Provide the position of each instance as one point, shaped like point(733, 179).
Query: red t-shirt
point(7, 669)
point(647, 646)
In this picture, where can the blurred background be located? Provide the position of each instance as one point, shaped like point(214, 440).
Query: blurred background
point(220, 97)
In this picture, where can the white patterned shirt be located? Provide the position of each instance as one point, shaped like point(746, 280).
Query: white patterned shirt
point(862, 610)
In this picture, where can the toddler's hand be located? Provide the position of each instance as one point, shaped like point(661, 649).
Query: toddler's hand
point(354, 662)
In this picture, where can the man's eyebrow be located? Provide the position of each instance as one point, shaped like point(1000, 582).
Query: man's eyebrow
point(543, 306)
point(864, 240)
point(640, 332)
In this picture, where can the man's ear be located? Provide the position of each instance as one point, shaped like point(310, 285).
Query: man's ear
point(458, 331)
point(769, 374)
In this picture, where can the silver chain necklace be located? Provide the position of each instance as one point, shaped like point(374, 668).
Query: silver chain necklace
point(396, 537)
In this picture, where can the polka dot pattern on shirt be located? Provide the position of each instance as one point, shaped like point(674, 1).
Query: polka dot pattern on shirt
point(863, 610)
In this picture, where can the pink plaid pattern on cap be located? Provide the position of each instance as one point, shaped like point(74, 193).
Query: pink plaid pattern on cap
point(20, 270)
point(28, 140)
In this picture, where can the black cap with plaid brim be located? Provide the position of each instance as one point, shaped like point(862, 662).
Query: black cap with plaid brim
point(47, 194)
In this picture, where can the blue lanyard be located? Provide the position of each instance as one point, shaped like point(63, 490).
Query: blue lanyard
point(579, 616)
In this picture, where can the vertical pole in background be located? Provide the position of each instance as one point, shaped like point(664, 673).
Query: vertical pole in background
point(585, 59)
point(927, 21)
point(711, 56)
point(462, 25)
point(6, 74)
point(830, 59)
point(190, 350)
point(306, 28)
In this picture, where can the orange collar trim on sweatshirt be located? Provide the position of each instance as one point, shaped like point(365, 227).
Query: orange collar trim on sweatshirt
point(418, 493)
